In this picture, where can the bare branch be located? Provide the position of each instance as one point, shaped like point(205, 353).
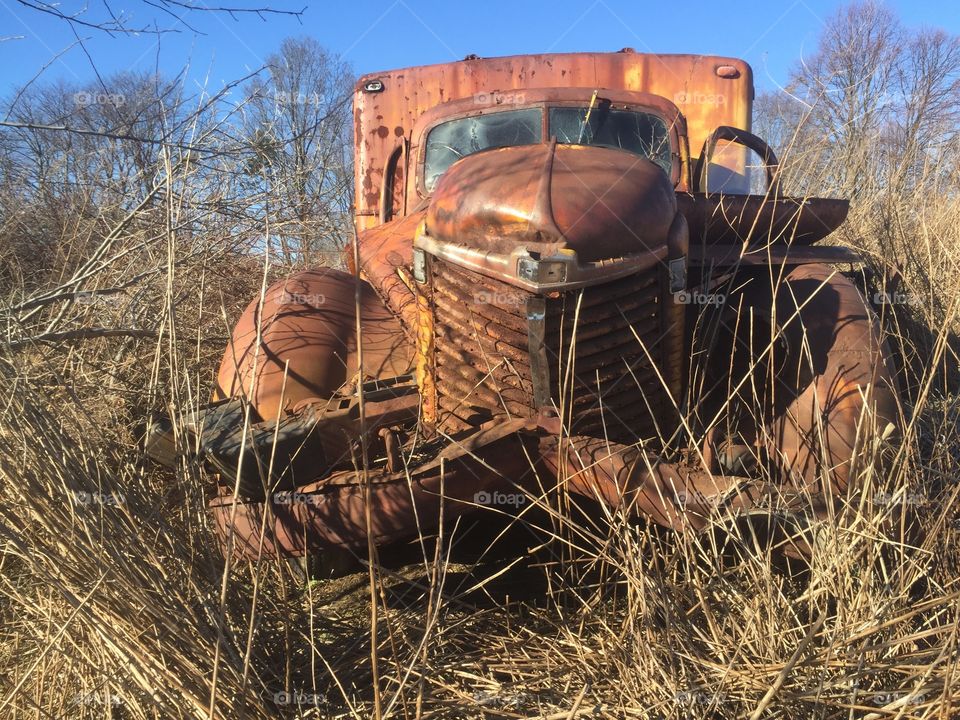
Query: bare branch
point(259, 12)
point(110, 27)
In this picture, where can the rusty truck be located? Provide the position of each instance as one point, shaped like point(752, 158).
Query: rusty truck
point(571, 273)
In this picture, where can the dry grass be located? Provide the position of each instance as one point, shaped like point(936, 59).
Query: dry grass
point(110, 580)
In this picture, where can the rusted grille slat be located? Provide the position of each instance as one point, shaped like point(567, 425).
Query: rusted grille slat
point(610, 364)
point(474, 415)
point(481, 348)
point(612, 309)
point(616, 333)
point(502, 374)
point(486, 388)
point(473, 322)
point(625, 341)
point(623, 288)
point(488, 350)
point(457, 416)
point(598, 329)
point(623, 380)
point(482, 297)
point(463, 356)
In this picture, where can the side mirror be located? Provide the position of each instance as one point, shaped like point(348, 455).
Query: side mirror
point(731, 163)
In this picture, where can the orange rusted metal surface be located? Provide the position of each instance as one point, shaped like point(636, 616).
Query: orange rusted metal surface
point(560, 291)
point(495, 211)
point(385, 257)
point(756, 219)
point(845, 360)
point(331, 513)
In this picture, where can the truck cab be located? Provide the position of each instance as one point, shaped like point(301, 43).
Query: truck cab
point(395, 111)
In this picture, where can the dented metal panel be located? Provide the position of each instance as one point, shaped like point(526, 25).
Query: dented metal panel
point(756, 219)
point(598, 202)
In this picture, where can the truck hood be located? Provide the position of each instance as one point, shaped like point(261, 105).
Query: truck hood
point(600, 202)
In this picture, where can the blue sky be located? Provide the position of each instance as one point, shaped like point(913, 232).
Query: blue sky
point(381, 34)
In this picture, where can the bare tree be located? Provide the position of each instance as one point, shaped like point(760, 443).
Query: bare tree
point(874, 116)
point(298, 124)
point(850, 82)
point(927, 122)
point(862, 115)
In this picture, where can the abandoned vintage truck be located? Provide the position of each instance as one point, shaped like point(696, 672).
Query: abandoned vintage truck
point(577, 274)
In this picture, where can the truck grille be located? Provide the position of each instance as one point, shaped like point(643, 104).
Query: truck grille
point(603, 342)
point(607, 386)
point(481, 356)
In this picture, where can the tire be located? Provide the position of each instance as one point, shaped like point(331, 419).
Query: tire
point(798, 371)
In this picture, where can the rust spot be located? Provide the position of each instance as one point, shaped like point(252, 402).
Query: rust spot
point(383, 131)
point(398, 131)
point(520, 196)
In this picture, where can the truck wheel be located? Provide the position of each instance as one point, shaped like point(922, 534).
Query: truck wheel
point(796, 371)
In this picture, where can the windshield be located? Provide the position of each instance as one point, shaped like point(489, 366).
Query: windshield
point(450, 141)
point(637, 132)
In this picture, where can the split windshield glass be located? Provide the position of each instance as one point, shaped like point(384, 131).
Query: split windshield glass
point(636, 132)
point(455, 139)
